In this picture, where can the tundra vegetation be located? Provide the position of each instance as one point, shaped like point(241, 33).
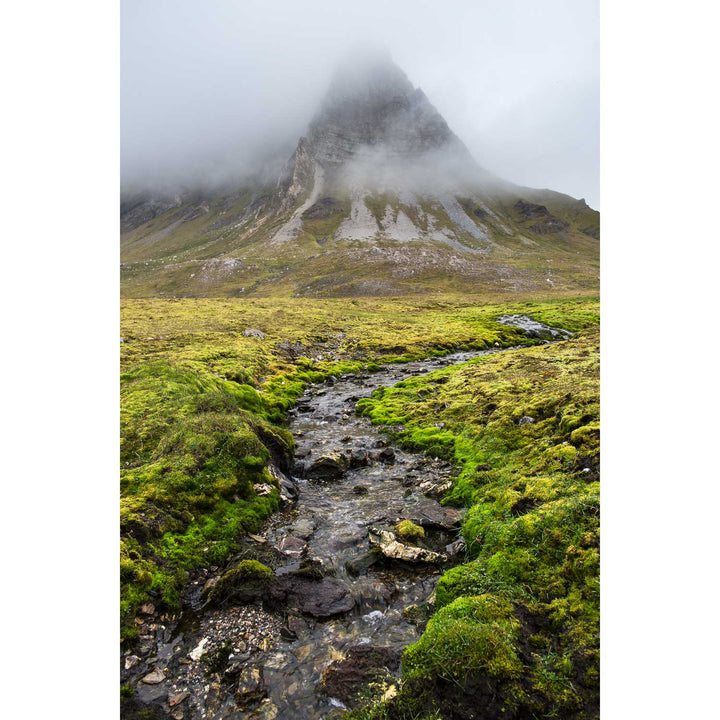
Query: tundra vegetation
point(203, 412)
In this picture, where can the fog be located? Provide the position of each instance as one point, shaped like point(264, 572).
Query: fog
point(213, 91)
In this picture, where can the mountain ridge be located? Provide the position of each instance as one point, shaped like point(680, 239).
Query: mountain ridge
point(379, 197)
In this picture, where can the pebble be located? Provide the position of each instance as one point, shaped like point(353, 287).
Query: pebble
point(154, 677)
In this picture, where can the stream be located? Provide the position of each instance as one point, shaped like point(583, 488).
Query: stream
point(338, 606)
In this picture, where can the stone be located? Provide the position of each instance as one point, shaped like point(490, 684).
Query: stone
point(267, 710)
point(257, 539)
point(319, 598)
point(526, 420)
point(362, 562)
point(199, 650)
point(178, 698)
point(388, 544)
point(263, 489)
point(131, 661)
point(360, 490)
point(387, 455)
point(147, 609)
point(151, 694)
point(331, 465)
point(292, 546)
point(358, 458)
point(154, 677)
point(253, 332)
point(250, 686)
point(455, 548)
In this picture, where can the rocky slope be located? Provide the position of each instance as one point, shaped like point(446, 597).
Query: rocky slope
point(379, 197)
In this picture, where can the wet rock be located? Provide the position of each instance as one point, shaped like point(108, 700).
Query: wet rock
point(151, 694)
point(250, 686)
point(358, 458)
point(387, 455)
point(178, 698)
point(303, 528)
point(364, 664)
point(131, 661)
point(253, 332)
point(287, 634)
point(267, 710)
point(288, 489)
point(154, 677)
point(388, 544)
point(327, 466)
point(526, 420)
point(292, 546)
point(318, 598)
point(360, 490)
point(362, 562)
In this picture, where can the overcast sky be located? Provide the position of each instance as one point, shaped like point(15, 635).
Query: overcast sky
point(208, 86)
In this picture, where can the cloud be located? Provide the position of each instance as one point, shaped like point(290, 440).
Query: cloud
point(210, 90)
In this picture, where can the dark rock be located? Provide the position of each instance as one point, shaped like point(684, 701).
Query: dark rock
point(358, 458)
point(362, 562)
point(288, 634)
point(319, 598)
point(360, 490)
point(151, 694)
point(345, 679)
point(250, 686)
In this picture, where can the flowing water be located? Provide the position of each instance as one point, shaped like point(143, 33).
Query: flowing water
point(321, 544)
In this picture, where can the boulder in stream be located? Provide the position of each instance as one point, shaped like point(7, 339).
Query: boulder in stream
point(388, 544)
point(330, 465)
point(319, 598)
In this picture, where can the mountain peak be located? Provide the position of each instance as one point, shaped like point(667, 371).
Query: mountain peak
point(372, 106)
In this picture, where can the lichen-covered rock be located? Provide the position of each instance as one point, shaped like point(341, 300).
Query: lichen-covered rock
point(330, 465)
point(388, 544)
point(250, 686)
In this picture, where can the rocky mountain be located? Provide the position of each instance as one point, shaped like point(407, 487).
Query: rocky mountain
point(379, 197)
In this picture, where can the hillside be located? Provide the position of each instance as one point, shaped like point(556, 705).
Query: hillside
point(379, 198)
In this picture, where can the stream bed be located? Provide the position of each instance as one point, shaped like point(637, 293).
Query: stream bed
point(348, 594)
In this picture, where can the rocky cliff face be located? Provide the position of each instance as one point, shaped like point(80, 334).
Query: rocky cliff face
point(371, 104)
point(379, 197)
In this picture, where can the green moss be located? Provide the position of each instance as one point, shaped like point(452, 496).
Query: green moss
point(245, 582)
point(475, 634)
point(408, 530)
